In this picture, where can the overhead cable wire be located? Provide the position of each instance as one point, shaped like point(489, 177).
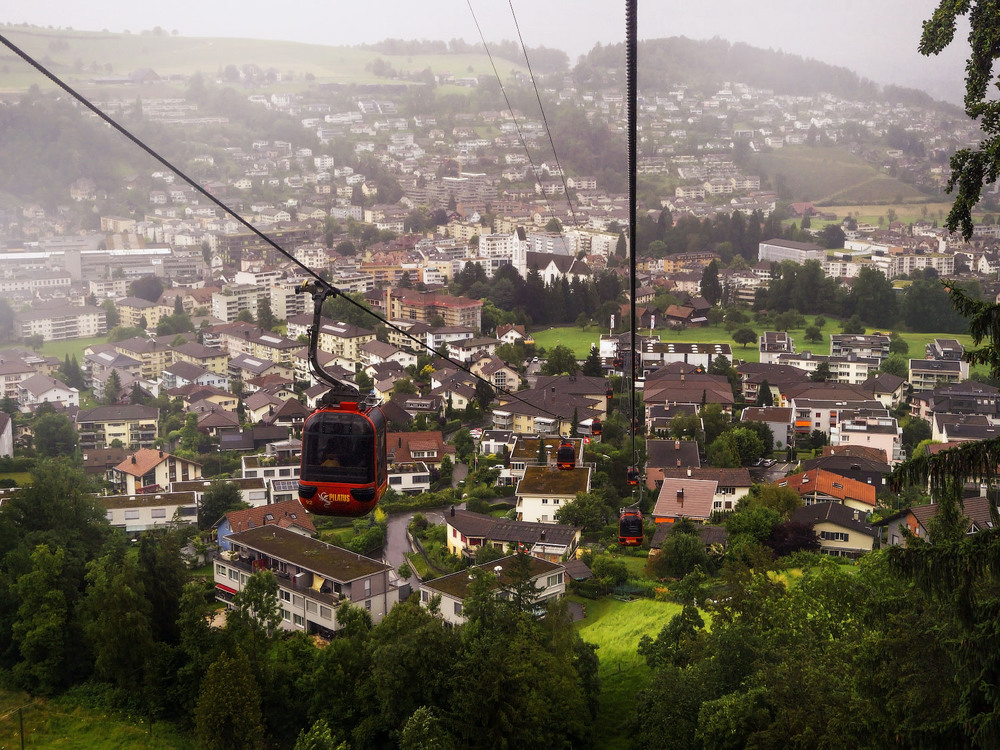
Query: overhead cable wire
point(631, 66)
point(545, 121)
point(134, 139)
point(535, 171)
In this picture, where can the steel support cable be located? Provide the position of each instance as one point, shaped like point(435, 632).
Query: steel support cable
point(545, 121)
point(517, 127)
point(631, 68)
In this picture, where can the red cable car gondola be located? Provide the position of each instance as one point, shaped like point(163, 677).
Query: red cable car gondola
point(596, 427)
point(630, 529)
point(618, 363)
point(344, 470)
point(566, 456)
point(609, 393)
point(632, 476)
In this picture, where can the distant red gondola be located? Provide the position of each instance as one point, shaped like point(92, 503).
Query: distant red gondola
point(632, 476)
point(566, 456)
point(630, 529)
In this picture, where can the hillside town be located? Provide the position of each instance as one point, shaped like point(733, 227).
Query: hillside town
point(532, 395)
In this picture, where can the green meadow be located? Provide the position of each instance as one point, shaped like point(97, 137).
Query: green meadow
point(832, 174)
point(616, 627)
point(81, 56)
point(68, 723)
point(579, 341)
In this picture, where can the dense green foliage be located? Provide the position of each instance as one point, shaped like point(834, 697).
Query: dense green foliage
point(79, 604)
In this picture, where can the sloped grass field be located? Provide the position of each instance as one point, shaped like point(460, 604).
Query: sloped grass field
point(113, 54)
point(69, 724)
point(832, 173)
point(616, 628)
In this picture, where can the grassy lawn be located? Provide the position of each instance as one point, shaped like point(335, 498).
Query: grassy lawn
point(169, 54)
point(616, 627)
point(834, 175)
point(580, 341)
point(64, 723)
point(22, 478)
point(71, 347)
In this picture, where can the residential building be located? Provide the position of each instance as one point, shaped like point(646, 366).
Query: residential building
point(314, 578)
point(467, 532)
point(132, 425)
point(842, 531)
point(409, 304)
point(135, 513)
point(544, 489)
point(916, 520)
point(821, 486)
point(547, 578)
point(927, 374)
point(288, 514)
point(798, 252)
point(685, 498)
point(409, 478)
point(136, 312)
point(43, 389)
point(152, 470)
point(61, 323)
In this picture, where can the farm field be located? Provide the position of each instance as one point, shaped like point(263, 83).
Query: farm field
point(831, 174)
point(616, 627)
point(169, 55)
point(580, 340)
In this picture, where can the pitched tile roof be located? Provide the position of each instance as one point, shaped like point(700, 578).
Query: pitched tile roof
point(145, 460)
point(688, 498)
point(828, 483)
point(284, 514)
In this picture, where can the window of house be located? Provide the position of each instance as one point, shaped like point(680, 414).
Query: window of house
point(325, 612)
point(552, 580)
point(368, 604)
point(234, 575)
point(368, 587)
point(395, 480)
point(424, 596)
point(299, 620)
point(220, 569)
point(285, 596)
point(131, 515)
point(458, 608)
point(158, 512)
point(286, 615)
point(545, 501)
point(110, 514)
point(243, 579)
point(297, 600)
point(311, 606)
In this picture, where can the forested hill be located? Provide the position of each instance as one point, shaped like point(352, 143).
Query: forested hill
point(710, 63)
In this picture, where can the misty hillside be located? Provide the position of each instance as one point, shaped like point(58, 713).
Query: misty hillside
point(709, 64)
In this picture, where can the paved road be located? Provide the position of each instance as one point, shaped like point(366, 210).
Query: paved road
point(459, 473)
point(396, 543)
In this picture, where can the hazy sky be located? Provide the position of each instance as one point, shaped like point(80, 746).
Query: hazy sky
point(876, 39)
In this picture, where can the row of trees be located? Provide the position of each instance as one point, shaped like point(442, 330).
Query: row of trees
point(923, 306)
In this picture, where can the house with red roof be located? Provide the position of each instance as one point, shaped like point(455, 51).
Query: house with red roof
point(288, 514)
point(821, 486)
point(151, 470)
point(685, 498)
